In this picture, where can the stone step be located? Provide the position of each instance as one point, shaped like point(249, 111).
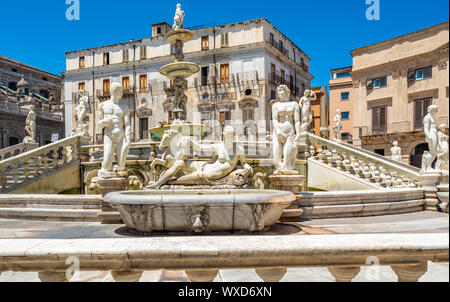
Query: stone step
point(290, 215)
point(74, 202)
point(50, 214)
point(358, 210)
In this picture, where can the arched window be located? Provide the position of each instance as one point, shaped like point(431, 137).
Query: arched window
point(44, 93)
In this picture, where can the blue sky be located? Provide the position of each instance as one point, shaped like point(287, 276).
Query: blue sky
point(37, 32)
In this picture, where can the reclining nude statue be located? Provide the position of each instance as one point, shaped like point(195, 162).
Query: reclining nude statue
point(221, 171)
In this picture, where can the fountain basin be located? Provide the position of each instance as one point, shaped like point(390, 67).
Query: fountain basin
point(179, 70)
point(200, 211)
point(191, 130)
point(182, 35)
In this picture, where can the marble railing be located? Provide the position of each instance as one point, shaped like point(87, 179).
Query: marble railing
point(16, 150)
point(203, 257)
point(26, 167)
point(371, 167)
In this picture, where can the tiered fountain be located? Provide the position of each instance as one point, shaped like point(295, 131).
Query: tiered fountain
point(209, 196)
point(177, 73)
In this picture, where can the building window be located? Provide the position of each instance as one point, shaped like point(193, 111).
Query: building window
point(379, 120)
point(272, 39)
point(81, 86)
point(205, 71)
point(126, 55)
point(282, 74)
point(106, 87)
point(81, 62)
point(106, 58)
point(378, 83)
point(345, 136)
point(206, 116)
point(224, 116)
point(224, 73)
point(225, 40)
point(205, 43)
point(423, 73)
point(158, 30)
point(341, 75)
point(12, 86)
point(281, 46)
point(126, 83)
point(143, 83)
point(273, 95)
point(420, 110)
point(345, 115)
point(248, 114)
point(380, 152)
point(143, 128)
point(143, 52)
point(345, 96)
point(291, 83)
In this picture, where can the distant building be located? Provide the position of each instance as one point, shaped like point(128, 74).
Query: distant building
point(241, 66)
point(23, 87)
point(341, 97)
point(394, 83)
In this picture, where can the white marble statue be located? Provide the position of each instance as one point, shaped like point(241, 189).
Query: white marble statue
point(337, 128)
point(30, 128)
point(222, 171)
point(396, 152)
point(178, 19)
point(115, 120)
point(305, 104)
point(442, 149)
point(431, 137)
point(82, 127)
point(286, 132)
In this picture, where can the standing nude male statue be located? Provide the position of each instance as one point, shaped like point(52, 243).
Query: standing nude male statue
point(431, 137)
point(286, 132)
point(396, 152)
point(117, 139)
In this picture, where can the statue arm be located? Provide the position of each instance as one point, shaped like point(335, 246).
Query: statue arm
point(275, 119)
point(297, 120)
point(127, 124)
point(101, 117)
point(202, 148)
point(243, 160)
point(426, 125)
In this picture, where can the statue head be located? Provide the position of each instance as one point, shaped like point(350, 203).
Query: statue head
point(433, 109)
point(338, 111)
point(116, 90)
point(283, 93)
point(442, 127)
point(395, 143)
point(178, 5)
point(307, 93)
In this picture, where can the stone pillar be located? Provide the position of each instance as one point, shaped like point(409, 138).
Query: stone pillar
point(48, 276)
point(202, 275)
point(344, 273)
point(410, 272)
point(126, 276)
point(274, 274)
point(429, 183)
point(290, 183)
point(110, 215)
point(84, 154)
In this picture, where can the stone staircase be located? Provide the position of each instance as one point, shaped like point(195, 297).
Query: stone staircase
point(82, 208)
point(22, 170)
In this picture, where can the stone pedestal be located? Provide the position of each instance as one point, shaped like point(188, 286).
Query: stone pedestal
point(110, 215)
point(289, 183)
point(429, 181)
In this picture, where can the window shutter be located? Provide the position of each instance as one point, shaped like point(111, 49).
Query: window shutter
point(369, 84)
point(374, 119)
point(428, 72)
point(383, 118)
point(411, 75)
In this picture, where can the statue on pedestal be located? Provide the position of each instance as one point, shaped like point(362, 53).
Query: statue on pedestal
point(30, 128)
point(305, 104)
point(178, 19)
point(396, 152)
point(442, 149)
point(431, 137)
point(337, 128)
point(115, 120)
point(286, 132)
point(82, 127)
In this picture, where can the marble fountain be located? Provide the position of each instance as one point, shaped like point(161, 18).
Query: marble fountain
point(208, 196)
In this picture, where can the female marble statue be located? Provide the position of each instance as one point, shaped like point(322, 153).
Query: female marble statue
point(286, 131)
point(305, 104)
point(117, 139)
point(179, 18)
point(442, 149)
point(30, 127)
point(337, 128)
point(81, 115)
point(220, 171)
point(396, 152)
point(431, 137)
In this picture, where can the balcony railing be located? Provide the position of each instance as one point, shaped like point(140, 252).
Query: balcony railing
point(44, 113)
